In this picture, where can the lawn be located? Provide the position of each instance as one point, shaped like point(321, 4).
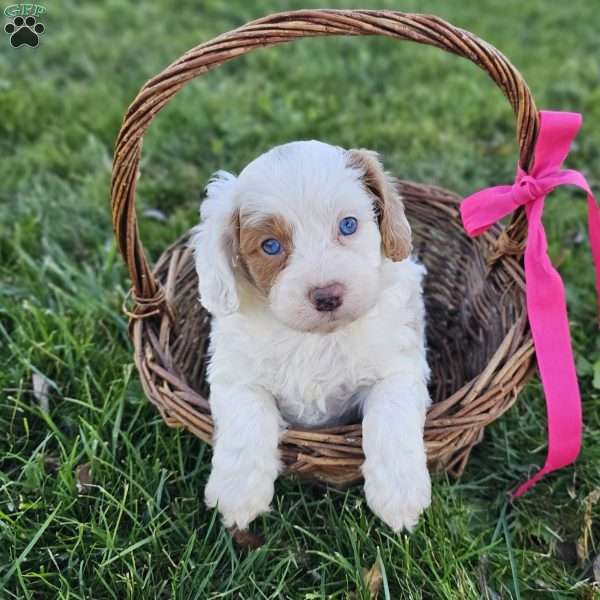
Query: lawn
point(98, 498)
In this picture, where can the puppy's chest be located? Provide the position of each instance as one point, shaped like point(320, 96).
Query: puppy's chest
point(316, 380)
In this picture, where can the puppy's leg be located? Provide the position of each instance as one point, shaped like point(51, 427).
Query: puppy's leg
point(397, 484)
point(245, 459)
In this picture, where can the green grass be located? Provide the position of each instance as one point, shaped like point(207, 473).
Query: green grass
point(141, 530)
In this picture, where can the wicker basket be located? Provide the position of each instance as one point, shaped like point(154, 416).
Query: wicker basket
point(480, 347)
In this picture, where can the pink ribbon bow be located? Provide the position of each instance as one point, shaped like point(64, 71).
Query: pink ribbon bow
point(544, 289)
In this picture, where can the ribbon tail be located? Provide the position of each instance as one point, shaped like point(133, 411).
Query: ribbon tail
point(547, 310)
point(571, 177)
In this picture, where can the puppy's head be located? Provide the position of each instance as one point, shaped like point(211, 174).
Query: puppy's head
point(304, 229)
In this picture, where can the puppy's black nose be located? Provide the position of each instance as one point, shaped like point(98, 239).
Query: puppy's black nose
point(328, 298)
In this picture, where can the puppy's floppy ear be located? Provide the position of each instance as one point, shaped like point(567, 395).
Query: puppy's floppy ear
point(393, 225)
point(215, 243)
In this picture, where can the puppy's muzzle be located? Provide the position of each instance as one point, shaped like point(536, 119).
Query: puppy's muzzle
point(328, 298)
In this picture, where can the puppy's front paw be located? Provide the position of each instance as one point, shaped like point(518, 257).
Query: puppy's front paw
point(239, 496)
point(397, 496)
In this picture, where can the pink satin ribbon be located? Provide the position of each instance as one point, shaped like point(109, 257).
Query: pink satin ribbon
point(544, 289)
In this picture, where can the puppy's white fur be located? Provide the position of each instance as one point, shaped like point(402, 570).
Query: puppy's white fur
point(275, 360)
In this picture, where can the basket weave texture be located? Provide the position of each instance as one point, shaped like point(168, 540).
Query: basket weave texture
point(479, 344)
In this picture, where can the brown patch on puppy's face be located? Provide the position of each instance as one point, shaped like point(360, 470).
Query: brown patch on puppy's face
point(261, 268)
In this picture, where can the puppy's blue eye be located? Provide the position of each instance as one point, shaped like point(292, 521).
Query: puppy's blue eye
point(348, 225)
point(271, 246)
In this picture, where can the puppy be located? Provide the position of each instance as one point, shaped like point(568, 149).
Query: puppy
point(304, 263)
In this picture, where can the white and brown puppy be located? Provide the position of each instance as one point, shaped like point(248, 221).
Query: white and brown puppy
point(304, 262)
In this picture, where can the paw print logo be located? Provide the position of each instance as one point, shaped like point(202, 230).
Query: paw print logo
point(24, 31)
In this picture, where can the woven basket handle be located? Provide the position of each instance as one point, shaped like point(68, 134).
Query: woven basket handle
point(270, 31)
